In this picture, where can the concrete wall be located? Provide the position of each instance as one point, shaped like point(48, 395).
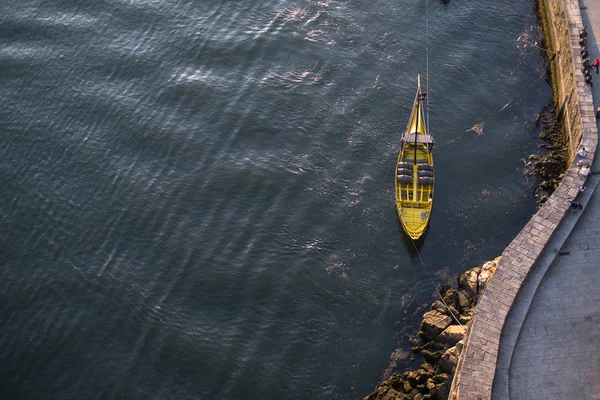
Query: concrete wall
point(476, 369)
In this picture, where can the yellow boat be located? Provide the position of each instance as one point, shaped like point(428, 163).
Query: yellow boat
point(414, 171)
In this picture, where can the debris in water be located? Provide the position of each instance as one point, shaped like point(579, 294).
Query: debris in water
point(506, 105)
point(477, 128)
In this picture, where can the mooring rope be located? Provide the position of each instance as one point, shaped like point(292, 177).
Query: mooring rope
point(433, 283)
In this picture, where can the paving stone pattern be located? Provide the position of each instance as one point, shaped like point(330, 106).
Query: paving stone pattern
point(556, 356)
point(474, 377)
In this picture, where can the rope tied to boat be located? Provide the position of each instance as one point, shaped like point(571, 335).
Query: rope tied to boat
point(434, 285)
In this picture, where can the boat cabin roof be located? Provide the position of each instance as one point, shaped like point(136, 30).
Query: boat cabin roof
point(421, 138)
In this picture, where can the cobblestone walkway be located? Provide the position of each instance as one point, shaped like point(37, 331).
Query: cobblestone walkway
point(555, 353)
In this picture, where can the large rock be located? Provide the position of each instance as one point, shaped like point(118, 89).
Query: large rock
point(395, 381)
point(428, 367)
point(418, 377)
point(392, 395)
point(430, 386)
point(468, 281)
point(464, 300)
point(439, 306)
point(443, 377)
point(459, 346)
point(451, 335)
point(453, 313)
point(434, 345)
point(449, 359)
point(432, 356)
point(434, 322)
point(441, 392)
point(451, 297)
point(491, 265)
point(483, 279)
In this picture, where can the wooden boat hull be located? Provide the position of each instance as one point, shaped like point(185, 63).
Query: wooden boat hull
point(415, 173)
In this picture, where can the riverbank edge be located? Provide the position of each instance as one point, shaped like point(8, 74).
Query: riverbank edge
point(476, 368)
point(439, 341)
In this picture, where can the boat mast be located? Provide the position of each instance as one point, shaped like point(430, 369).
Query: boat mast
point(418, 110)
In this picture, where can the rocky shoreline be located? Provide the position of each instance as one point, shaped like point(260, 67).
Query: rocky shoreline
point(440, 341)
point(551, 166)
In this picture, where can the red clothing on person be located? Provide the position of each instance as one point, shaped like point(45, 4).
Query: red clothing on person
point(596, 62)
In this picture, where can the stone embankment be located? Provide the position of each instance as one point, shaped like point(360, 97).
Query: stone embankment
point(477, 367)
point(440, 341)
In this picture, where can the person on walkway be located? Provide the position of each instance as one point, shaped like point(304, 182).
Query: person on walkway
point(598, 113)
point(575, 205)
point(582, 189)
point(586, 63)
point(581, 152)
point(584, 53)
point(597, 63)
point(585, 171)
point(583, 42)
point(583, 32)
point(588, 79)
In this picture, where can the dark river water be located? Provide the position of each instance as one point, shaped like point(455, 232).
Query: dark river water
point(197, 196)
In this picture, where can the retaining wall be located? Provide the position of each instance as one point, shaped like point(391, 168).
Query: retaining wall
point(474, 375)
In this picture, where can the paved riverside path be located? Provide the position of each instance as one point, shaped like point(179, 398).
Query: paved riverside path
point(550, 346)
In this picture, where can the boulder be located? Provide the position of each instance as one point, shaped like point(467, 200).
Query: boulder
point(468, 281)
point(423, 376)
point(459, 346)
point(449, 359)
point(407, 388)
point(491, 265)
point(428, 367)
point(433, 324)
point(439, 306)
point(451, 335)
point(439, 378)
point(483, 279)
point(383, 392)
point(434, 345)
point(432, 356)
point(464, 300)
point(441, 392)
point(451, 297)
point(418, 377)
point(445, 364)
point(430, 385)
point(392, 395)
point(395, 381)
point(419, 397)
point(454, 311)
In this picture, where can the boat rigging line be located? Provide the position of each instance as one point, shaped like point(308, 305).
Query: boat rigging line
point(433, 283)
point(427, 64)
